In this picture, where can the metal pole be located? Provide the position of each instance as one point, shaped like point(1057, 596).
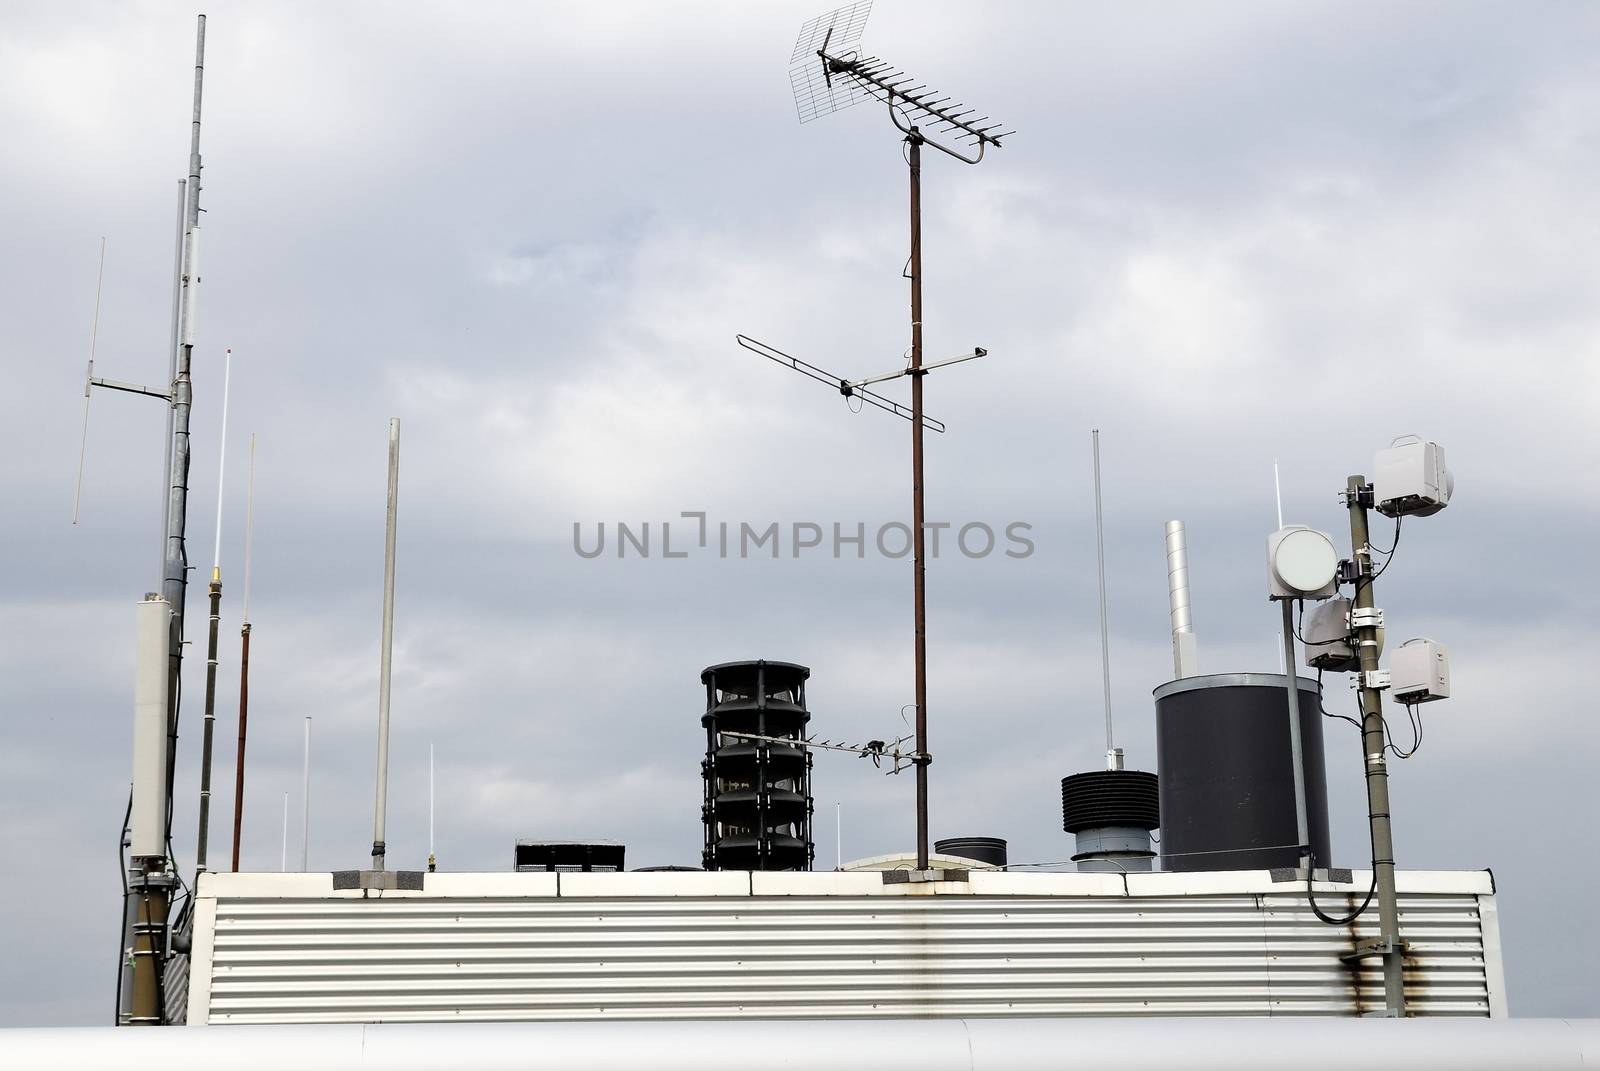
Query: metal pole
point(244, 666)
point(172, 349)
point(1185, 654)
point(919, 565)
point(283, 858)
point(1389, 945)
point(208, 728)
point(155, 899)
point(305, 802)
point(1296, 755)
point(1113, 757)
point(386, 655)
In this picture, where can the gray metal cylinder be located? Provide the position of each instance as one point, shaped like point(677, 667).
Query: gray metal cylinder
point(1227, 776)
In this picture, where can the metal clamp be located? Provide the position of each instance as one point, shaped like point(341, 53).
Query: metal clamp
point(1374, 947)
point(1366, 617)
point(1375, 679)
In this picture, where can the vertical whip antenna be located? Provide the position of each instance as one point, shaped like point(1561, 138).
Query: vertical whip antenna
point(380, 810)
point(214, 591)
point(1113, 756)
point(283, 858)
point(244, 663)
point(305, 801)
point(88, 379)
point(431, 859)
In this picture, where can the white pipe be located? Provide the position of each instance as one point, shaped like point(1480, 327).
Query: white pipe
point(1199, 1044)
point(1185, 653)
point(283, 859)
point(305, 803)
point(148, 817)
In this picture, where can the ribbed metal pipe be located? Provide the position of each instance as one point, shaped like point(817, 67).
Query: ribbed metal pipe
point(843, 1045)
point(1185, 658)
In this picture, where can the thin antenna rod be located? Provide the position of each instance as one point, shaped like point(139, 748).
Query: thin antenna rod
point(1277, 489)
point(305, 802)
point(431, 858)
point(386, 655)
point(222, 462)
point(244, 665)
point(283, 860)
point(1100, 561)
point(88, 381)
point(838, 836)
point(202, 838)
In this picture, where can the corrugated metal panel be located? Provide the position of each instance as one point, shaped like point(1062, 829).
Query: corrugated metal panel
point(433, 958)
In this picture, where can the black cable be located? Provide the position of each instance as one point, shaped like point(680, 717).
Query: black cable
point(122, 928)
point(1326, 713)
point(1312, 899)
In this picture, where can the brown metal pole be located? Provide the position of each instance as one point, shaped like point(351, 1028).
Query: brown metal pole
point(919, 565)
point(244, 707)
point(1372, 738)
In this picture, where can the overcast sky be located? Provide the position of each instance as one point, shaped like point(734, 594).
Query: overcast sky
point(1223, 233)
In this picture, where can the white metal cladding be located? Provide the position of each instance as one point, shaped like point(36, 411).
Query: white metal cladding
point(706, 946)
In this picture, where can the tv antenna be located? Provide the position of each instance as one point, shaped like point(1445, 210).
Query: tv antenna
point(829, 74)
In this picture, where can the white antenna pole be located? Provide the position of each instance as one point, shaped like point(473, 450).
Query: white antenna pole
point(386, 655)
point(1277, 488)
point(222, 463)
point(1113, 756)
point(432, 860)
point(283, 860)
point(305, 803)
point(94, 337)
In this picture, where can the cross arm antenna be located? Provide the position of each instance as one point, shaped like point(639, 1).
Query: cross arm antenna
point(839, 383)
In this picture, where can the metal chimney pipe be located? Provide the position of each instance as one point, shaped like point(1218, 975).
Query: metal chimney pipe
point(1185, 656)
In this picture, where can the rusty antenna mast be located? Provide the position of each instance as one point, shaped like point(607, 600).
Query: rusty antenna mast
point(829, 74)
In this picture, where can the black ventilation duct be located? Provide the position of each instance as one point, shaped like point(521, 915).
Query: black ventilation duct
point(757, 807)
point(990, 851)
point(568, 855)
point(1227, 772)
point(1111, 813)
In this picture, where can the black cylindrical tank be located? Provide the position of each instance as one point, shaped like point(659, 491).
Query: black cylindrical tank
point(990, 851)
point(1227, 777)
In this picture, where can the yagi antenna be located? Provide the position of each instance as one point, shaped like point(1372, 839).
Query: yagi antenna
point(829, 74)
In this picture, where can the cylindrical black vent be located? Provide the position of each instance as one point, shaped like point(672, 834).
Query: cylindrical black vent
point(757, 807)
point(1227, 777)
point(1126, 798)
point(990, 851)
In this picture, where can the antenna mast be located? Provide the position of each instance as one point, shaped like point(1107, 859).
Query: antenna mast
point(94, 337)
point(827, 75)
point(244, 664)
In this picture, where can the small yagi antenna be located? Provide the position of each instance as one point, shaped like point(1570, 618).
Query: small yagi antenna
point(839, 383)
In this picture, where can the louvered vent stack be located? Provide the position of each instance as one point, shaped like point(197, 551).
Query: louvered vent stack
point(757, 808)
point(1111, 812)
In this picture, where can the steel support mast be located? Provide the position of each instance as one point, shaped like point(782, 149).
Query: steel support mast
point(1358, 496)
point(919, 562)
point(153, 886)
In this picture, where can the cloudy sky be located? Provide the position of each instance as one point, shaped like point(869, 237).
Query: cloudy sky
point(1224, 234)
